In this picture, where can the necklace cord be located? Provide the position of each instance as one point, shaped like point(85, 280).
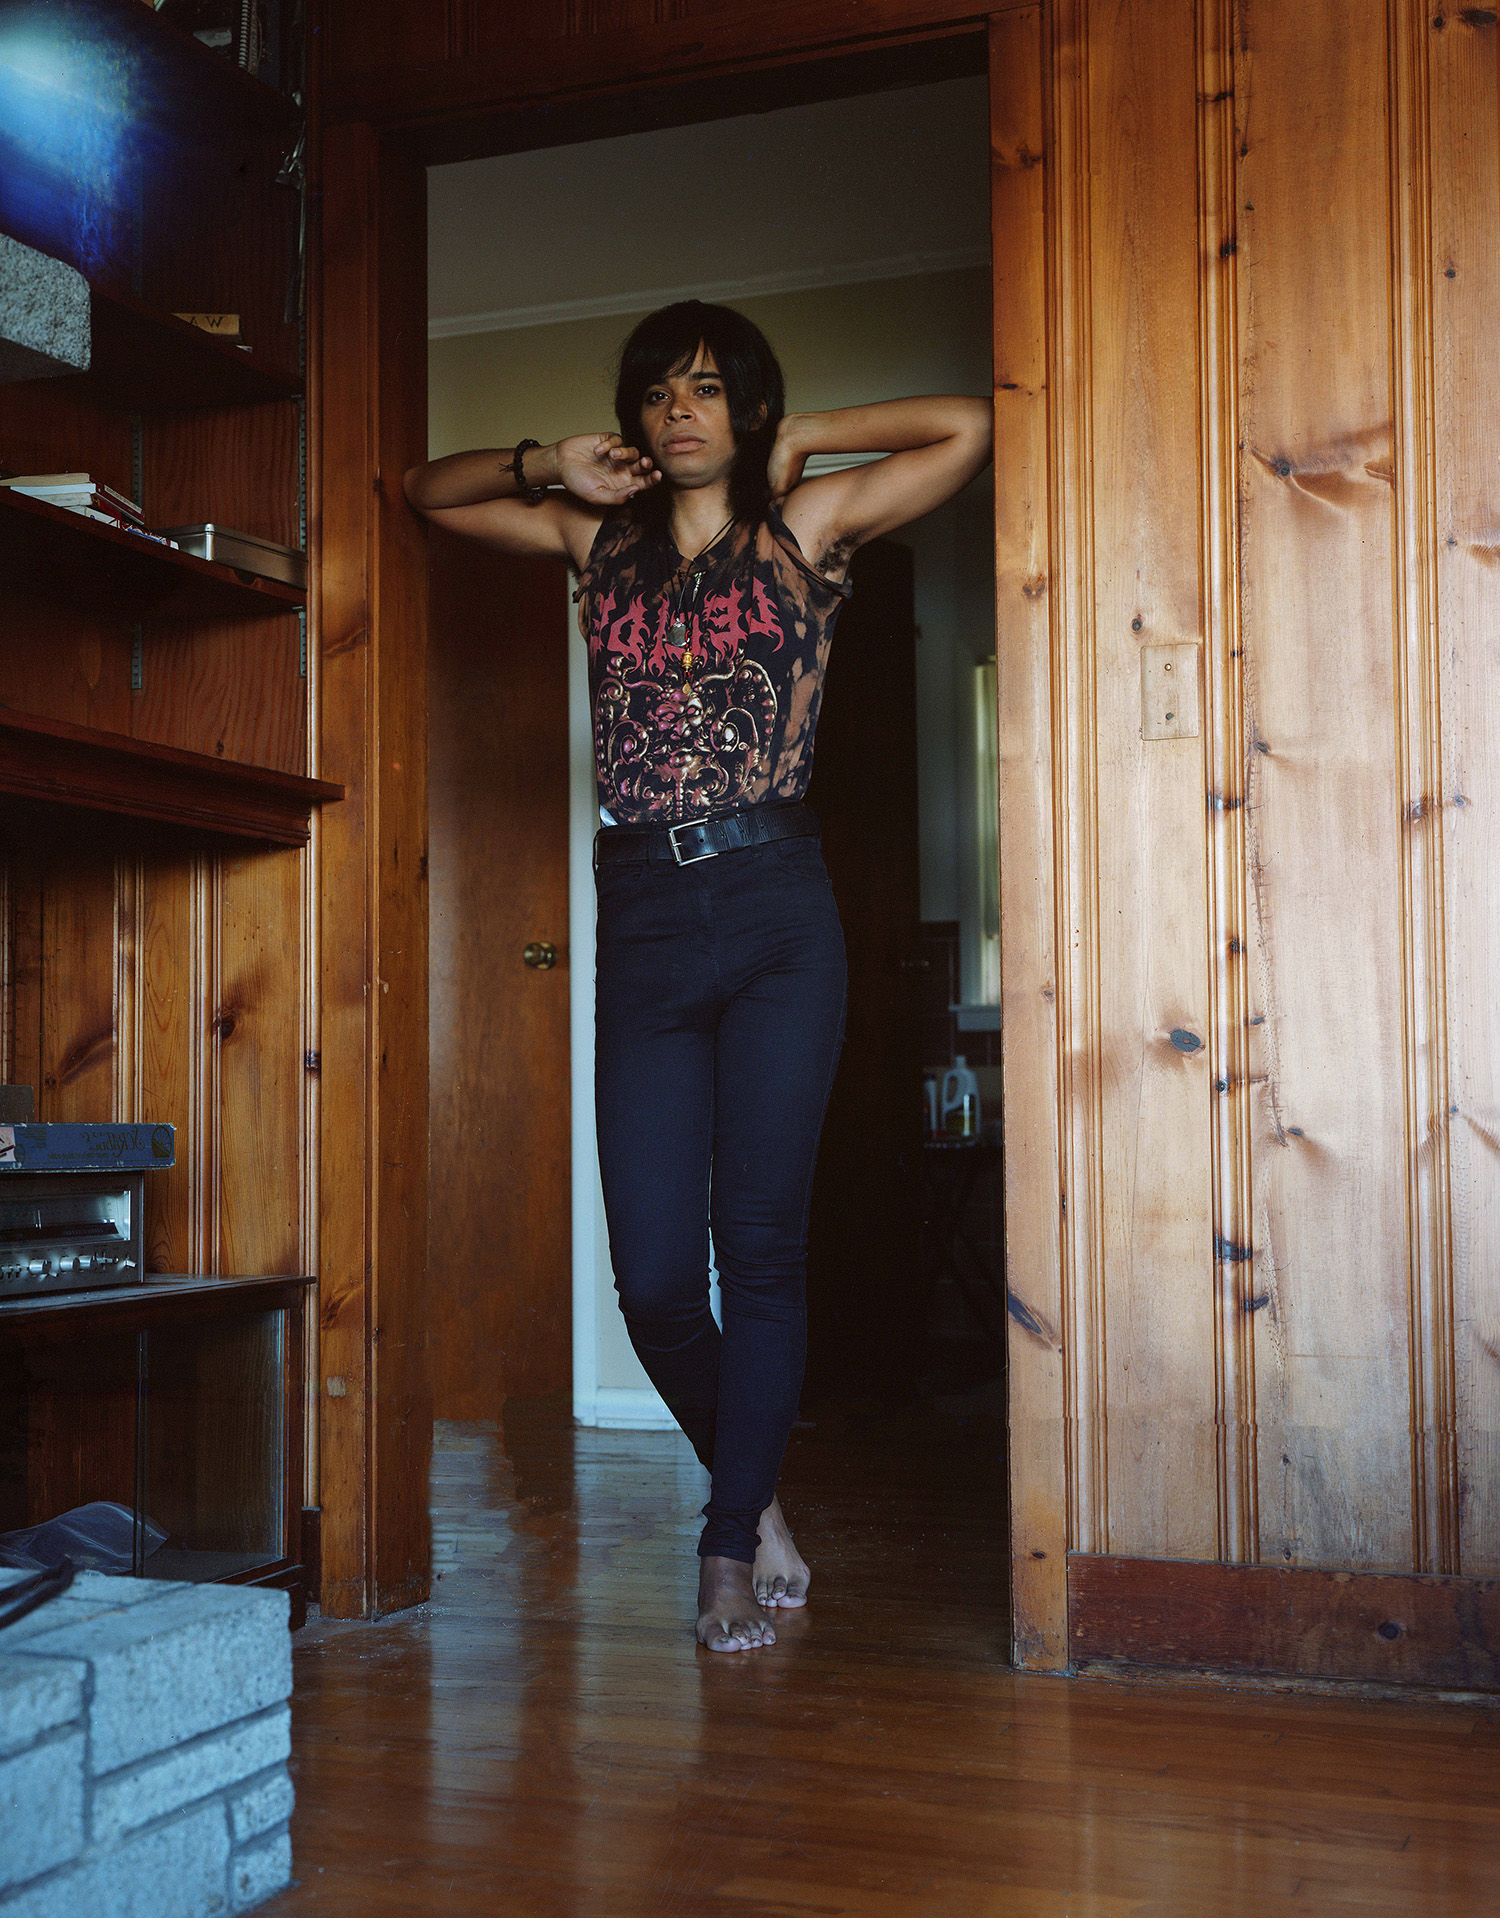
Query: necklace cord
point(681, 609)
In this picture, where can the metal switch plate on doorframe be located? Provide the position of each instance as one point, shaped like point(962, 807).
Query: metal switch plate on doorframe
point(1169, 692)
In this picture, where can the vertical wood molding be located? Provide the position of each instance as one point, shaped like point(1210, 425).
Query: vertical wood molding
point(1075, 774)
point(312, 864)
point(207, 910)
point(130, 887)
point(1463, 97)
point(346, 459)
point(312, 1044)
point(1225, 751)
point(24, 974)
point(7, 968)
point(1029, 974)
point(377, 1424)
point(1435, 1486)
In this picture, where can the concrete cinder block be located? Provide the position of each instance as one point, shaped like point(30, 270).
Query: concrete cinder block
point(132, 1798)
point(198, 1660)
point(37, 1695)
point(96, 1587)
point(263, 1803)
point(261, 1870)
point(91, 1595)
point(41, 1809)
point(179, 1870)
point(44, 315)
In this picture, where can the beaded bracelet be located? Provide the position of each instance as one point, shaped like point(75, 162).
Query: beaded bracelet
point(532, 493)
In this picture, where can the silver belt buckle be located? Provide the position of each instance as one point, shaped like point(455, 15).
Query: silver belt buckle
point(690, 825)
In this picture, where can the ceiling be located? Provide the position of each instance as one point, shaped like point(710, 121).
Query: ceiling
point(869, 188)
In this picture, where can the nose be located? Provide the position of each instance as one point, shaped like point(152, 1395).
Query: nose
point(680, 409)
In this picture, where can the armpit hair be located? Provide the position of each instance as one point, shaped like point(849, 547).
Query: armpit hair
point(836, 557)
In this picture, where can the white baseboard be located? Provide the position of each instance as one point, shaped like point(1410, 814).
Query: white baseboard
point(621, 1408)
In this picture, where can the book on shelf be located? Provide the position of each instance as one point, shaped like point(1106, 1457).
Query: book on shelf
point(126, 526)
point(222, 326)
point(89, 498)
point(76, 490)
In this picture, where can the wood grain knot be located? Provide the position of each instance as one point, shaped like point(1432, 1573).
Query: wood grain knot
point(86, 1053)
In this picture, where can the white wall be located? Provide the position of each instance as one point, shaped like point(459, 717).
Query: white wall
point(836, 193)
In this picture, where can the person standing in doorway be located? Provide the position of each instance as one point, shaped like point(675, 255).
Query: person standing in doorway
point(710, 575)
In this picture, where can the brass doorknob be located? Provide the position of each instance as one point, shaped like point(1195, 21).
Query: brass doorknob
point(540, 954)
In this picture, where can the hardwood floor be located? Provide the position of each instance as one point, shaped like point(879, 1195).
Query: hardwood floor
point(543, 1738)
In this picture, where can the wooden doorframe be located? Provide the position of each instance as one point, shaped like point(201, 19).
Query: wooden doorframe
point(369, 405)
point(376, 1434)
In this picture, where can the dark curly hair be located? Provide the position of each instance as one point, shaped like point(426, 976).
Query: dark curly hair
point(664, 343)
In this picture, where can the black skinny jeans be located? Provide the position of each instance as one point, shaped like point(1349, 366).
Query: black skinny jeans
point(719, 1019)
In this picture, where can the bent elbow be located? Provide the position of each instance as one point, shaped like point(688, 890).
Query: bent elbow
point(411, 486)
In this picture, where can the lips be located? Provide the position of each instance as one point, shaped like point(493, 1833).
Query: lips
point(683, 445)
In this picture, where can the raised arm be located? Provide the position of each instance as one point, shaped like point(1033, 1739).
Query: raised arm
point(585, 477)
point(934, 447)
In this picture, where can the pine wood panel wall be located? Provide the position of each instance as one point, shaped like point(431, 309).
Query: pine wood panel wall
point(159, 983)
point(1275, 400)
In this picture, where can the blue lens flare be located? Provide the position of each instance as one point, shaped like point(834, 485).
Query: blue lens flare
point(67, 115)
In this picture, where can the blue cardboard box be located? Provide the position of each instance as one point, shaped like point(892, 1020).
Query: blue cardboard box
point(68, 1147)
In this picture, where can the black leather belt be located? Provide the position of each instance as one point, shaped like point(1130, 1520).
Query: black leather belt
point(697, 839)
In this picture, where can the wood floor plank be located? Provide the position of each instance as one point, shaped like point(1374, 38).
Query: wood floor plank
point(543, 1740)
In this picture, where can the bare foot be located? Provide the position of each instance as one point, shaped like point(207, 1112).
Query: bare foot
point(729, 1620)
point(779, 1575)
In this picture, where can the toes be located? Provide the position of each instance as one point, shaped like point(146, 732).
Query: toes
point(735, 1634)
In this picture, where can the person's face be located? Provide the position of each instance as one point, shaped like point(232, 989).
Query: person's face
point(685, 423)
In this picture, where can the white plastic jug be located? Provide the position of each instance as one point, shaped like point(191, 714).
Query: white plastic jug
point(959, 1101)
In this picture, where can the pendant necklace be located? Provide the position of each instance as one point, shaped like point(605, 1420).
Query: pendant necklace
point(683, 607)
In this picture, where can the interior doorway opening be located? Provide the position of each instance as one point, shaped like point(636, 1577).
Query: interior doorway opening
point(855, 231)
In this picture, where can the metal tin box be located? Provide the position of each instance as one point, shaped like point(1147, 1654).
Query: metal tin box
point(243, 551)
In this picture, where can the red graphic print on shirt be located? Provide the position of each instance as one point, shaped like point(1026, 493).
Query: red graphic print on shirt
point(723, 717)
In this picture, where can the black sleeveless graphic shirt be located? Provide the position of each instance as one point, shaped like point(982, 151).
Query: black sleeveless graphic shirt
point(721, 715)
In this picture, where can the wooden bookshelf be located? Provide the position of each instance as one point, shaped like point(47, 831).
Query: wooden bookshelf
point(177, 78)
point(102, 568)
point(142, 1393)
point(162, 1298)
point(155, 901)
point(51, 761)
point(150, 362)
